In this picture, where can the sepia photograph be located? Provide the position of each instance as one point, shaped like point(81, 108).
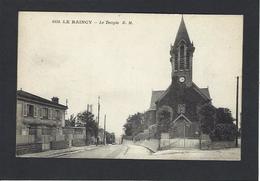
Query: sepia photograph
point(129, 86)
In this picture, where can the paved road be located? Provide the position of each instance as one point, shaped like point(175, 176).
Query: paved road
point(130, 151)
point(110, 151)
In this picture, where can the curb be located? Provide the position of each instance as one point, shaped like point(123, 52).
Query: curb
point(147, 148)
point(57, 154)
point(72, 151)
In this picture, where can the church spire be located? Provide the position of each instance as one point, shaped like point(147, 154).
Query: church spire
point(182, 33)
point(181, 57)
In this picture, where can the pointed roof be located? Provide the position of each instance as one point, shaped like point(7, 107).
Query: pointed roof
point(182, 33)
point(158, 95)
point(181, 115)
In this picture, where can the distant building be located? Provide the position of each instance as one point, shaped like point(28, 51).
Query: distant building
point(182, 99)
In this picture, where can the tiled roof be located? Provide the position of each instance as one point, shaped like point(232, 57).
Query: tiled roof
point(23, 94)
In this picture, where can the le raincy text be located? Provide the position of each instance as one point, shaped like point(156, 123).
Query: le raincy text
point(102, 22)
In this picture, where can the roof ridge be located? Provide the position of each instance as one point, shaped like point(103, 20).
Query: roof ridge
point(33, 96)
point(200, 90)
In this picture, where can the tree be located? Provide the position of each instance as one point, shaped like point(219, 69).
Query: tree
point(224, 132)
point(163, 124)
point(134, 124)
point(225, 129)
point(164, 121)
point(128, 129)
point(86, 118)
point(224, 116)
point(71, 121)
point(207, 119)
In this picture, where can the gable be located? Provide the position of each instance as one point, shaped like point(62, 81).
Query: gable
point(161, 94)
point(181, 116)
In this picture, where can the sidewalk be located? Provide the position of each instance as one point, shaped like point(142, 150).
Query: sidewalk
point(61, 152)
point(233, 154)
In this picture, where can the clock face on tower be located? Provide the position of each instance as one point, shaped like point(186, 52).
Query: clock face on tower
point(182, 79)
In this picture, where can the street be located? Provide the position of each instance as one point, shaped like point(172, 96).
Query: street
point(111, 151)
point(131, 151)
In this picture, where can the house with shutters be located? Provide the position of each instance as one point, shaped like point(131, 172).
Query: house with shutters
point(37, 117)
point(179, 104)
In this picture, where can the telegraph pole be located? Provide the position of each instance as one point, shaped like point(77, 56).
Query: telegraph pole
point(237, 111)
point(104, 139)
point(98, 120)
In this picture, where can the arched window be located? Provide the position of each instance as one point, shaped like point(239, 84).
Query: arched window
point(176, 61)
point(182, 57)
point(187, 60)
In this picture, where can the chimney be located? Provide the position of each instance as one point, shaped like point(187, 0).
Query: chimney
point(55, 99)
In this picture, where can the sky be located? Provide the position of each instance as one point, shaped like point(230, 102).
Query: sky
point(80, 56)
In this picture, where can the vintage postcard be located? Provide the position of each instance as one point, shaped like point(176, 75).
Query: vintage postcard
point(129, 86)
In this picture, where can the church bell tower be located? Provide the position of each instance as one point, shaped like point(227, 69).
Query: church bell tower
point(181, 57)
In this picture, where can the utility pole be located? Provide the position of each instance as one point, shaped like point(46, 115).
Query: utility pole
point(104, 139)
point(237, 111)
point(98, 120)
point(88, 108)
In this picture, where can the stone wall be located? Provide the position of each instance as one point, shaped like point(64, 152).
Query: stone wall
point(46, 138)
point(165, 144)
point(179, 143)
point(207, 144)
point(28, 148)
point(56, 145)
point(25, 139)
point(218, 145)
point(78, 142)
point(152, 144)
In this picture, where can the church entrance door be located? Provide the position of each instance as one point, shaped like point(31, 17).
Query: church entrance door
point(180, 131)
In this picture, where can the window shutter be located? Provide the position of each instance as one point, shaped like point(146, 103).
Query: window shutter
point(25, 109)
point(53, 114)
point(39, 112)
point(58, 115)
point(49, 113)
point(35, 111)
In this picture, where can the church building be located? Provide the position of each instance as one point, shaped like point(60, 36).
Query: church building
point(180, 102)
